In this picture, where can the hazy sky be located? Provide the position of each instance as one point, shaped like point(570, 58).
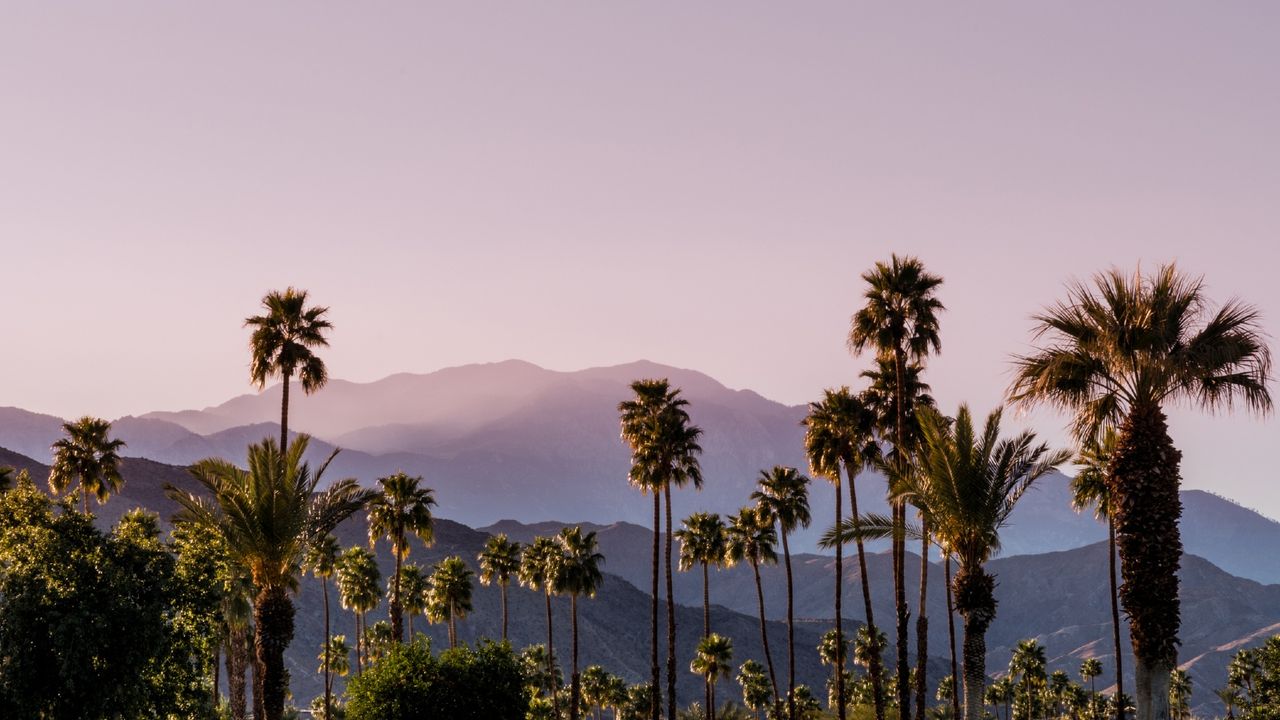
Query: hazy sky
point(580, 184)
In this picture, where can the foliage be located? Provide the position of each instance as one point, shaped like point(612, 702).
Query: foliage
point(87, 456)
point(410, 683)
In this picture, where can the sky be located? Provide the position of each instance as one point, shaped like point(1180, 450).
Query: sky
point(583, 184)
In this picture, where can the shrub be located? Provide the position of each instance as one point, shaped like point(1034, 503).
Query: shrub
point(409, 683)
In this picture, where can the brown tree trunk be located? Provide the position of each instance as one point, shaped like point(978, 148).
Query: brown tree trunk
point(791, 633)
point(951, 634)
point(575, 686)
point(1143, 480)
point(504, 610)
point(899, 543)
point(284, 414)
point(1115, 614)
point(273, 617)
point(328, 678)
point(975, 601)
point(922, 626)
point(672, 703)
point(551, 657)
point(655, 679)
point(397, 610)
point(259, 710)
point(217, 673)
point(237, 654)
point(874, 668)
point(764, 633)
point(839, 665)
point(706, 624)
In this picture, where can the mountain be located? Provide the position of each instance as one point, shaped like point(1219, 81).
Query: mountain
point(513, 440)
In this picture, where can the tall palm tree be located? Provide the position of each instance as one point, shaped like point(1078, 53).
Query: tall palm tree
point(711, 661)
point(539, 568)
point(358, 580)
point(322, 560)
point(899, 322)
point(664, 453)
point(335, 657)
point(840, 431)
point(414, 589)
point(499, 561)
point(283, 343)
point(1116, 352)
point(269, 516)
point(1027, 667)
point(783, 498)
point(1179, 694)
point(87, 456)
point(968, 484)
point(1089, 489)
point(579, 576)
point(401, 507)
point(752, 538)
point(450, 594)
point(702, 542)
point(1090, 668)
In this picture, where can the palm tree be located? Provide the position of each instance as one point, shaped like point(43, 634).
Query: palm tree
point(283, 343)
point(87, 456)
point(400, 508)
point(783, 498)
point(900, 323)
point(450, 594)
point(755, 690)
point(358, 579)
point(414, 589)
point(1230, 699)
point(269, 516)
point(702, 542)
point(499, 561)
point(968, 484)
point(664, 453)
point(579, 575)
point(1179, 694)
point(321, 560)
point(1116, 353)
point(711, 661)
point(1090, 668)
point(595, 681)
point(752, 537)
point(840, 431)
point(1089, 489)
point(539, 568)
point(335, 657)
point(1027, 665)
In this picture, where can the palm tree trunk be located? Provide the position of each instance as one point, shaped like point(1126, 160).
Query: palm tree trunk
point(1143, 481)
point(791, 633)
point(975, 669)
point(328, 683)
point(706, 623)
point(655, 679)
point(273, 617)
point(951, 634)
point(764, 634)
point(359, 645)
point(503, 585)
point(396, 610)
point(839, 665)
point(672, 704)
point(237, 645)
point(575, 687)
point(922, 625)
point(874, 668)
point(284, 413)
point(1115, 613)
point(217, 672)
point(899, 543)
point(551, 658)
point(259, 711)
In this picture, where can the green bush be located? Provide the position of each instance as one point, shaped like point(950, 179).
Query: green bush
point(409, 683)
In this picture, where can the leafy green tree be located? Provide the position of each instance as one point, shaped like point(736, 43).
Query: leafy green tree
point(751, 537)
point(201, 583)
point(283, 344)
point(711, 661)
point(88, 456)
point(664, 454)
point(499, 562)
point(358, 578)
point(103, 621)
point(484, 683)
point(899, 322)
point(335, 657)
point(1090, 668)
point(321, 561)
point(539, 568)
point(840, 432)
point(401, 507)
point(641, 700)
point(268, 517)
point(579, 576)
point(1179, 695)
point(1089, 489)
point(450, 594)
point(782, 497)
point(998, 693)
point(1116, 353)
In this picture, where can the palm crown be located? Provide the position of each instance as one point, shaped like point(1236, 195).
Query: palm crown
point(89, 456)
point(783, 497)
point(751, 538)
point(840, 429)
point(1141, 341)
point(655, 425)
point(702, 540)
point(285, 337)
point(403, 507)
point(499, 560)
point(578, 567)
point(901, 311)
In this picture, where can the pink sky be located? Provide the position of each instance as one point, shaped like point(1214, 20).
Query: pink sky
point(580, 184)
